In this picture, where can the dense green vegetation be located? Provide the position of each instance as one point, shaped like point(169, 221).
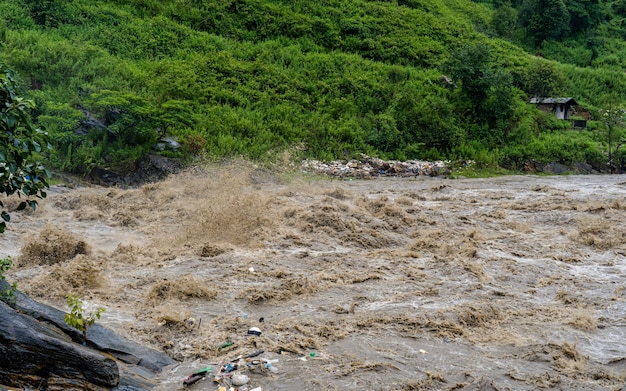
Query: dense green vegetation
point(400, 79)
point(20, 142)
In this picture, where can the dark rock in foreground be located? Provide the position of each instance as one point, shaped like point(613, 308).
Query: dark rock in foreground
point(38, 350)
point(35, 355)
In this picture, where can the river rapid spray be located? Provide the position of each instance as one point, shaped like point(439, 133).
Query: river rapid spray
point(393, 283)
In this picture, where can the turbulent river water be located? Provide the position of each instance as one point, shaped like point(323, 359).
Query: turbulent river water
point(508, 283)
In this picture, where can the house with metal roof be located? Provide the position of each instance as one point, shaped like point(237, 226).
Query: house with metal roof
point(560, 107)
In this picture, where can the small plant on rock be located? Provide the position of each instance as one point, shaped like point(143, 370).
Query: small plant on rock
point(77, 317)
point(7, 295)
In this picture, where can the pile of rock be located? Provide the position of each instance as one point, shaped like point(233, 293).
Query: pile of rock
point(368, 167)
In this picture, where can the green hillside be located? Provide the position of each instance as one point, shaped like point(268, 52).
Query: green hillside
point(403, 79)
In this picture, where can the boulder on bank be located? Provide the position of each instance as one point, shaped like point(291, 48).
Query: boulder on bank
point(27, 331)
point(149, 168)
point(33, 354)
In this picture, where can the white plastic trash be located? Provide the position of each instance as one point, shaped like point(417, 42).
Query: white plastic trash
point(271, 368)
point(240, 380)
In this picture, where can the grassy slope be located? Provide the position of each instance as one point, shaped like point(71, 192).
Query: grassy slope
point(250, 77)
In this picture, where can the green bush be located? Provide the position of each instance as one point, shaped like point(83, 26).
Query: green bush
point(78, 318)
point(563, 147)
point(7, 295)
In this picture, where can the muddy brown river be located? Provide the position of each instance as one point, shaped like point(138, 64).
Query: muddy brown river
point(508, 283)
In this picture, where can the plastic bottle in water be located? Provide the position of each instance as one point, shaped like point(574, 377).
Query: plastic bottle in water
point(271, 368)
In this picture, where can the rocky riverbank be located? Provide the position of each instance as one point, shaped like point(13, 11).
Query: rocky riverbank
point(369, 167)
point(153, 168)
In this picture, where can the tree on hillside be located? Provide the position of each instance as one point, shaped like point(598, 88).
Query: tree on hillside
point(543, 79)
point(486, 92)
point(20, 173)
point(614, 123)
point(504, 20)
point(584, 14)
point(545, 20)
point(470, 66)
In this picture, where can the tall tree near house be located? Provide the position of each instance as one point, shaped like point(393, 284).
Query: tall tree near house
point(486, 92)
point(543, 79)
point(470, 65)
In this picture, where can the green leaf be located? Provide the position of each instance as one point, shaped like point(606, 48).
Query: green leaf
point(33, 205)
point(21, 206)
point(5, 216)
